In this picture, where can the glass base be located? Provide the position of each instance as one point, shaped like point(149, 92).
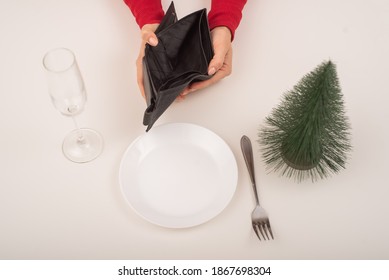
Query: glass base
point(82, 145)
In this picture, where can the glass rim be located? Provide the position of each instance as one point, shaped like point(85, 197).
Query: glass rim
point(50, 69)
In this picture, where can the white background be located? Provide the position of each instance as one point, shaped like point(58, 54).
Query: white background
point(51, 208)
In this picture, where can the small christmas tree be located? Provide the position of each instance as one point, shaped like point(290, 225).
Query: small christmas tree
point(307, 136)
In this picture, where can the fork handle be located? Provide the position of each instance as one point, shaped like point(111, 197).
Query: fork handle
point(247, 151)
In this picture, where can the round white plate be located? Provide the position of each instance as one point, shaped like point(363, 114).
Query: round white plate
point(178, 175)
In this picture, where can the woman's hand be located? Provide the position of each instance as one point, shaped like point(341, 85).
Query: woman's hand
point(148, 37)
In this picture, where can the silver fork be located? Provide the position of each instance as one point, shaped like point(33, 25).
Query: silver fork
point(259, 217)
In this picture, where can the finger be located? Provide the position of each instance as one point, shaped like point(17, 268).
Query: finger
point(221, 52)
point(186, 91)
point(223, 72)
point(149, 37)
point(217, 62)
point(180, 98)
point(203, 84)
point(152, 40)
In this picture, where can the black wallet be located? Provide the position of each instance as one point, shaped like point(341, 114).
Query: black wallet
point(181, 57)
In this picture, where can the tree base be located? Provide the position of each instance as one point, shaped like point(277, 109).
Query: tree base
point(299, 166)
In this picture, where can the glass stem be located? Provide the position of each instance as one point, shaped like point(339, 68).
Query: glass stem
point(81, 138)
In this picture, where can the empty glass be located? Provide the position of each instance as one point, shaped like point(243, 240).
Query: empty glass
point(67, 92)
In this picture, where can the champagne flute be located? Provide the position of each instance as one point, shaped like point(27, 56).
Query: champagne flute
point(67, 92)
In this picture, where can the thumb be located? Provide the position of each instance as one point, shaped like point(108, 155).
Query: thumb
point(215, 64)
point(148, 36)
point(152, 40)
point(217, 61)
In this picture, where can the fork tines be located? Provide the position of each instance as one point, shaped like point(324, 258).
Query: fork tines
point(264, 229)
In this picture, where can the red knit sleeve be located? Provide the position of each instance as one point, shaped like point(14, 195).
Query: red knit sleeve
point(146, 11)
point(226, 13)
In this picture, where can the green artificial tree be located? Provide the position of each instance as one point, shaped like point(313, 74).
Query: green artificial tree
point(307, 135)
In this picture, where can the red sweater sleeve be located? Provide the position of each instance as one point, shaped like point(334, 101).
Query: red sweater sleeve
point(146, 11)
point(223, 12)
point(226, 13)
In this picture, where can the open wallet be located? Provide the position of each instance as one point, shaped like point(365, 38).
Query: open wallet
point(181, 57)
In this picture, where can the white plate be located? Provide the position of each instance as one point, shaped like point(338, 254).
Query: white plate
point(178, 175)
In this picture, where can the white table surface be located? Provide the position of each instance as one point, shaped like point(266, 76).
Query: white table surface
point(51, 208)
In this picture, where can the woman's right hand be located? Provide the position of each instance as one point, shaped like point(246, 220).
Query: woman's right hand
point(148, 37)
